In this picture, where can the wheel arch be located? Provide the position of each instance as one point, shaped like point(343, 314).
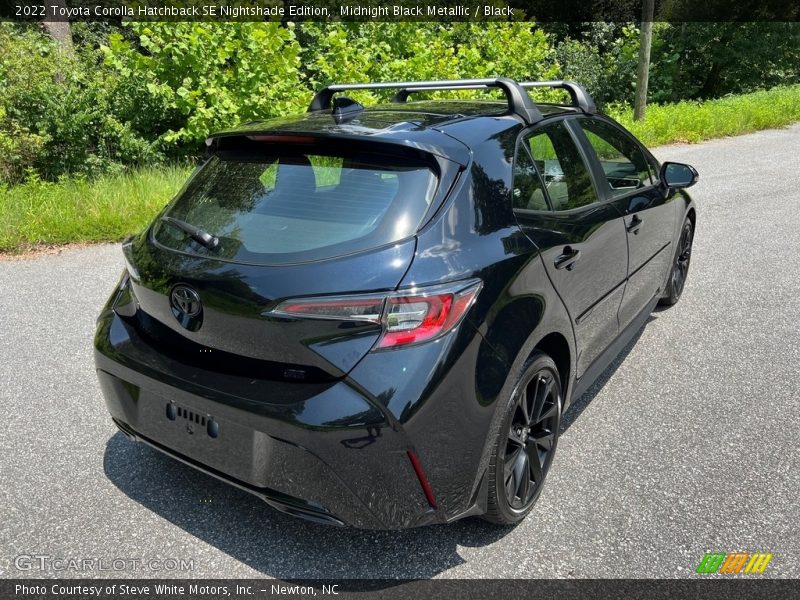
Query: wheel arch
point(691, 214)
point(554, 343)
point(556, 346)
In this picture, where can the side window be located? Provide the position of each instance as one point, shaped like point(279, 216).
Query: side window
point(528, 192)
point(565, 174)
point(623, 162)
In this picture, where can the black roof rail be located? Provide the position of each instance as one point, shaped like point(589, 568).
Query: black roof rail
point(519, 102)
point(580, 97)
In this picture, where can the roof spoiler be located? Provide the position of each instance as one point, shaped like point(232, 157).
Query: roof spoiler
point(519, 101)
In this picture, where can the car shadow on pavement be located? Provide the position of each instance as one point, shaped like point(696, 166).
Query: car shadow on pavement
point(274, 544)
point(580, 404)
point(277, 545)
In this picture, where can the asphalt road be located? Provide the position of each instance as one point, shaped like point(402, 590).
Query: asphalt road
point(688, 443)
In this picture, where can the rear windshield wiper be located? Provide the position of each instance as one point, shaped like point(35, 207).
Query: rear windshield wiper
point(198, 235)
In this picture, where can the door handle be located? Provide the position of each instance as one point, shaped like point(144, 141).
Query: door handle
point(635, 225)
point(568, 258)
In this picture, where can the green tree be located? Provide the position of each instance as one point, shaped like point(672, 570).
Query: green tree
point(359, 52)
point(58, 115)
point(199, 77)
point(709, 60)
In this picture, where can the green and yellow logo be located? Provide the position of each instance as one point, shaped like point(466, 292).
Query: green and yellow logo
point(732, 563)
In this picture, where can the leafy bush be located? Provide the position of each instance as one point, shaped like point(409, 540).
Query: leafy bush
point(359, 52)
point(18, 148)
point(193, 78)
point(57, 115)
point(710, 60)
point(602, 58)
point(688, 60)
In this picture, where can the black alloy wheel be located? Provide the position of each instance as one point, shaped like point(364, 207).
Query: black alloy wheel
point(680, 265)
point(526, 443)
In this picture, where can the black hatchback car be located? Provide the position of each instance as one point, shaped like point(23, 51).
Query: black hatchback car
point(377, 316)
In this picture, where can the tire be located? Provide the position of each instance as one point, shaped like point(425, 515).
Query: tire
point(514, 482)
point(679, 269)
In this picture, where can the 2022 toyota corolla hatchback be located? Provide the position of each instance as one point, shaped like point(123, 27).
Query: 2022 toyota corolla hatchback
point(377, 316)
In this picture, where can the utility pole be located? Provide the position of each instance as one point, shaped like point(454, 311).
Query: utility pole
point(643, 71)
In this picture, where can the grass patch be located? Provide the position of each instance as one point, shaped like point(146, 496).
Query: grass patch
point(692, 122)
point(110, 208)
point(103, 210)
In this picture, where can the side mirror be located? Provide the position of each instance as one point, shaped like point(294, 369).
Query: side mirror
point(677, 176)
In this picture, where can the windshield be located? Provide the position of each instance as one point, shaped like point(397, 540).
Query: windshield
point(296, 207)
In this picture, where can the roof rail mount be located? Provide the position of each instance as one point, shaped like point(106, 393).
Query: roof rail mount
point(345, 109)
point(580, 97)
point(519, 101)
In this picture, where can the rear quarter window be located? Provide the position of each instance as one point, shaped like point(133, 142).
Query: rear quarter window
point(296, 206)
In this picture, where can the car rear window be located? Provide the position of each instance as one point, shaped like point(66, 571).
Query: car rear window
point(298, 206)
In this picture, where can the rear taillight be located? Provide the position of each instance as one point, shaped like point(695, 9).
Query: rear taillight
point(341, 308)
point(407, 317)
point(423, 314)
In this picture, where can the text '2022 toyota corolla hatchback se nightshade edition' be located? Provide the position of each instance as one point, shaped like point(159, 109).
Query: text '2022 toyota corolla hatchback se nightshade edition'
point(377, 316)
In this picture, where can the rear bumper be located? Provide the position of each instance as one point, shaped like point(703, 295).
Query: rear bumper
point(333, 457)
point(282, 502)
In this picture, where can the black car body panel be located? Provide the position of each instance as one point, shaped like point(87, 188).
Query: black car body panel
point(317, 415)
point(237, 300)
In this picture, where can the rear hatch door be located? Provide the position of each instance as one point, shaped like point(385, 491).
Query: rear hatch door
point(269, 220)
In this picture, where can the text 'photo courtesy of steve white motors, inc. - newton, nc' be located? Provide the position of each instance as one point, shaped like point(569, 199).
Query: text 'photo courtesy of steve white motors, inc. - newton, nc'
point(145, 10)
point(190, 590)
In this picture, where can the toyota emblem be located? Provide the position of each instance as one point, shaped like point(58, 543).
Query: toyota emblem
point(186, 300)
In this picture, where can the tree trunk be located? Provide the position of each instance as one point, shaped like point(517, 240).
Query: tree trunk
point(643, 71)
point(61, 31)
